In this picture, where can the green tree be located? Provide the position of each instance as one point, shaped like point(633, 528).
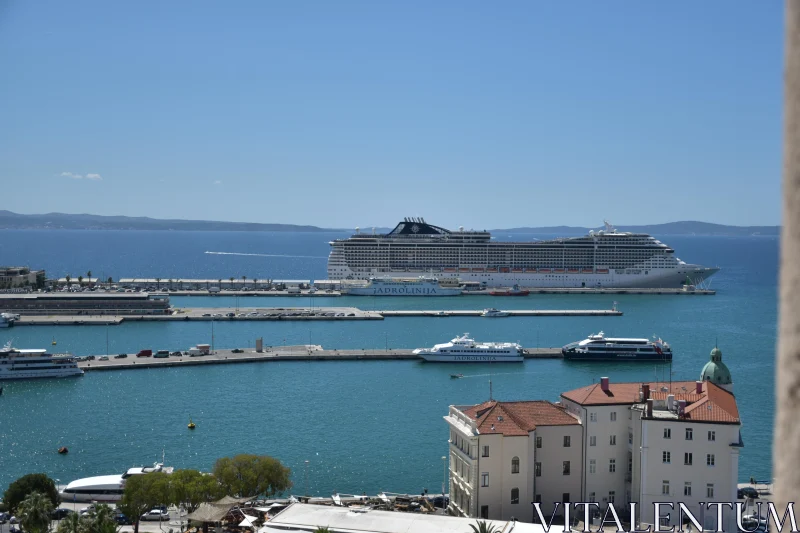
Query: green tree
point(100, 520)
point(142, 493)
point(249, 475)
point(321, 529)
point(21, 488)
point(255, 283)
point(89, 276)
point(72, 523)
point(34, 512)
point(244, 281)
point(109, 280)
point(483, 527)
point(80, 281)
point(158, 283)
point(190, 488)
point(231, 278)
point(68, 278)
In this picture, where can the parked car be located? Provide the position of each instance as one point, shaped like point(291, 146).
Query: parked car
point(177, 354)
point(746, 492)
point(162, 353)
point(237, 350)
point(121, 356)
point(230, 315)
point(144, 353)
point(441, 502)
point(60, 514)
point(155, 514)
point(122, 520)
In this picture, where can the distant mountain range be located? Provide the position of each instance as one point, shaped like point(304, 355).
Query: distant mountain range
point(9, 220)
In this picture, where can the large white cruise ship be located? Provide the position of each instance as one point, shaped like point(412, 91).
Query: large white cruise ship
point(29, 364)
point(420, 286)
point(605, 258)
point(465, 350)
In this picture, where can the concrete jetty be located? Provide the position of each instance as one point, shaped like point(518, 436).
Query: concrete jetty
point(219, 314)
point(534, 290)
point(279, 353)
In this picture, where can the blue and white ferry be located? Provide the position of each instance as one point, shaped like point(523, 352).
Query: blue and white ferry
point(421, 286)
point(465, 350)
point(601, 348)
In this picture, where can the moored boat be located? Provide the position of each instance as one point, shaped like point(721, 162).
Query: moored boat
point(491, 312)
point(601, 348)
point(35, 363)
point(465, 350)
point(513, 291)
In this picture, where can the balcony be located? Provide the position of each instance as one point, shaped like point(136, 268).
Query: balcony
point(628, 477)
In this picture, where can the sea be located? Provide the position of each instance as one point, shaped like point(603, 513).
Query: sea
point(355, 426)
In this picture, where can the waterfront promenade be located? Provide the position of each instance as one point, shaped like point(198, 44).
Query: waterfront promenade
point(306, 352)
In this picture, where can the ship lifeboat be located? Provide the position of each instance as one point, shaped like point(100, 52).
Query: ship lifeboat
point(602, 271)
point(491, 270)
point(505, 270)
point(544, 270)
point(587, 270)
point(463, 270)
point(477, 270)
point(516, 270)
point(450, 270)
point(572, 271)
point(558, 270)
point(63, 450)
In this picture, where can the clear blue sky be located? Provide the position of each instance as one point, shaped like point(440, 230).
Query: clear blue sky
point(340, 113)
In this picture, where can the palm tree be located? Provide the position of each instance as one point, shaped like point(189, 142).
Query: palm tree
point(255, 283)
point(321, 529)
point(89, 276)
point(484, 527)
point(231, 287)
point(244, 279)
point(158, 283)
point(71, 523)
point(101, 520)
point(34, 513)
point(80, 281)
point(68, 278)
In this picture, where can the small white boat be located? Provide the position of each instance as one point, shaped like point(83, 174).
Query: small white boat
point(464, 349)
point(492, 312)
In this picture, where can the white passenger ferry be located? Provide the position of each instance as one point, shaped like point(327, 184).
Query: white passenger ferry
point(421, 286)
point(105, 488)
point(604, 258)
point(465, 350)
point(29, 364)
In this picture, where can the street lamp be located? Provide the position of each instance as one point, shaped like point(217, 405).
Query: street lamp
point(306, 491)
point(444, 479)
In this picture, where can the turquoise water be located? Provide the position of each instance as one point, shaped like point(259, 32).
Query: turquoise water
point(363, 426)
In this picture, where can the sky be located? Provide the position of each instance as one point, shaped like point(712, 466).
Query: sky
point(359, 113)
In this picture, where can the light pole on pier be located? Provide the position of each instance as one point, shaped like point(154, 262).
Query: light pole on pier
point(306, 488)
point(444, 479)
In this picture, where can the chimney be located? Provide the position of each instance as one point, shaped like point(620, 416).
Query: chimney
point(649, 408)
point(645, 391)
point(671, 402)
point(604, 384)
point(681, 407)
point(698, 387)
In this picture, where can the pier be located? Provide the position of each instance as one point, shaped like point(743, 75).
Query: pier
point(219, 314)
point(533, 290)
point(281, 353)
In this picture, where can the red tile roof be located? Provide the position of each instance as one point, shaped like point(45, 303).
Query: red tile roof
point(723, 403)
point(518, 418)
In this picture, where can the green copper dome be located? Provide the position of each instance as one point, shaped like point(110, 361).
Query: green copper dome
point(715, 370)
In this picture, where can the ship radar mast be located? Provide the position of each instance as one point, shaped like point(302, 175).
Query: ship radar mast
point(609, 227)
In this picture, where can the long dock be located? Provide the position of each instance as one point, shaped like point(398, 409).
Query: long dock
point(533, 290)
point(278, 353)
point(220, 314)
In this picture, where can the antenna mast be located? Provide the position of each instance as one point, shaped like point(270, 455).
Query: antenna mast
point(490, 390)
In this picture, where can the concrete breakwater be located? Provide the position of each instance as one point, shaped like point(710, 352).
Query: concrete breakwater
point(278, 353)
point(285, 313)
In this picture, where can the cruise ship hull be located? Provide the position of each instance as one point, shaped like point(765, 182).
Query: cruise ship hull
point(451, 358)
point(666, 278)
point(402, 291)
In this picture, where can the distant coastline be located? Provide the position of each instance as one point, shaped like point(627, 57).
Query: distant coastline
point(62, 221)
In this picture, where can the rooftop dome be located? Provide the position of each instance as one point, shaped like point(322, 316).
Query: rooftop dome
point(715, 370)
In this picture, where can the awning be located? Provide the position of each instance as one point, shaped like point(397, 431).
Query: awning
point(210, 512)
point(248, 521)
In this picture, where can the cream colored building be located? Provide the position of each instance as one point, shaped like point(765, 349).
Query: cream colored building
point(673, 442)
point(11, 277)
point(506, 455)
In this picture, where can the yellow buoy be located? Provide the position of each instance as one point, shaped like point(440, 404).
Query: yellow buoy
point(191, 424)
point(54, 341)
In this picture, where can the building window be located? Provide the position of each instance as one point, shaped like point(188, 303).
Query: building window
point(538, 442)
point(537, 469)
point(514, 496)
point(687, 458)
point(665, 487)
point(592, 497)
point(592, 441)
point(592, 466)
point(592, 417)
point(612, 465)
point(515, 465)
point(538, 498)
point(485, 512)
point(566, 441)
point(688, 433)
point(565, 497)
point(712, 435)
point(613, 440)
point(630, 438)
point(613, 416)
point(667, 433)
point(687, 489)
point(710, 459)
point(485, 479)
point(486, 451)
point(611, 495)
point(710, 490)
point(565, 468)
point(665, 457)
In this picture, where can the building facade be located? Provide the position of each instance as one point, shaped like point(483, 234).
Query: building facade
point(17, 277)
point(609, 443)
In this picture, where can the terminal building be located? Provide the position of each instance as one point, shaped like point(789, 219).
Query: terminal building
point(610, 443)
point(85, 303)
point(21, 277)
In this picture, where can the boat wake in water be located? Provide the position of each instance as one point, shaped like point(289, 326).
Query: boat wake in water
point(269, 255)
point(496, 374)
